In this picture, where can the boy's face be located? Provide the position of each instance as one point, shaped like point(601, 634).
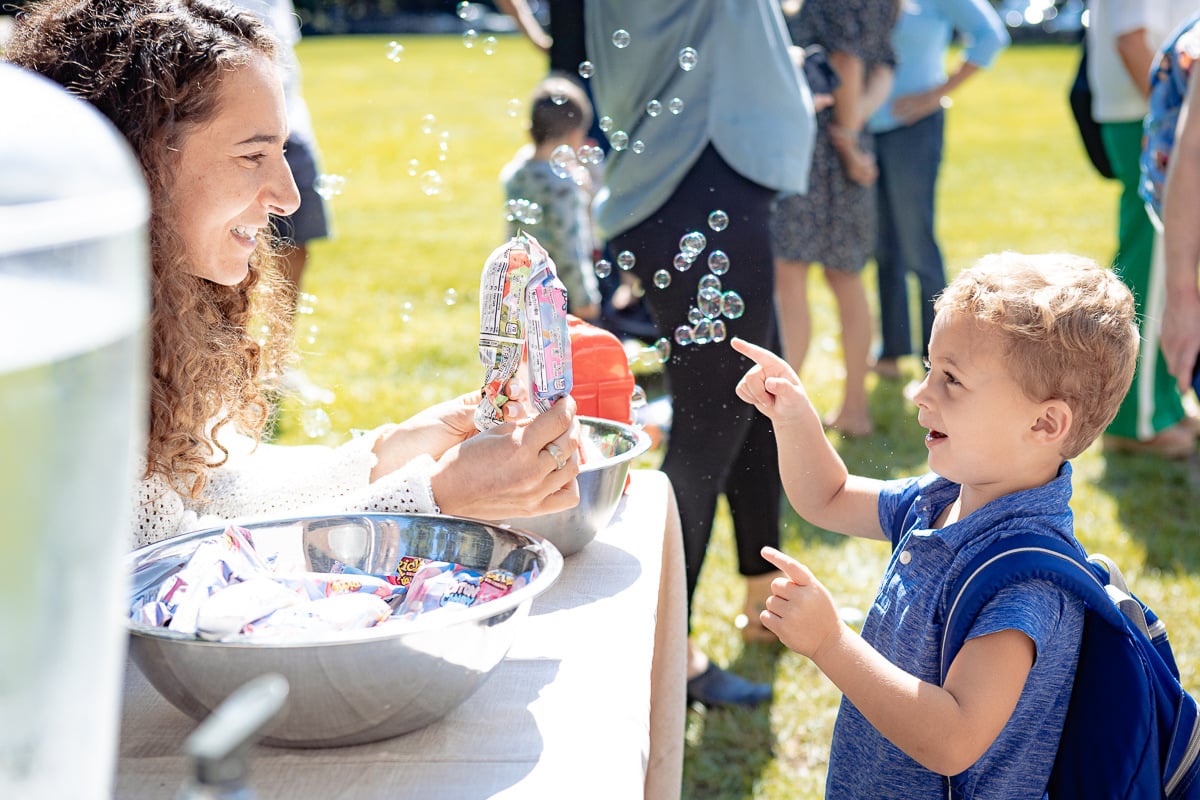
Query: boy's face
point(981, 426)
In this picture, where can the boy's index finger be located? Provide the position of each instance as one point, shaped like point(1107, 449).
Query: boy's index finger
point(769, 361)
point(797, 573)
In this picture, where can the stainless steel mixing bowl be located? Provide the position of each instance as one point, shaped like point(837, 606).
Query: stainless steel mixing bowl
point(363, 685)
point(601, 482)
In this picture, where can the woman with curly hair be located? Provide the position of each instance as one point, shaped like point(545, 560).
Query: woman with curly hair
point(193, 86)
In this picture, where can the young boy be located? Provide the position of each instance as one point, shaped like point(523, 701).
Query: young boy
point(560, 115)
point(1029, 359)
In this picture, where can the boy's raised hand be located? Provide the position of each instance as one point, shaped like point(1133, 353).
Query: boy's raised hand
point(800, 610)
point(771, 385)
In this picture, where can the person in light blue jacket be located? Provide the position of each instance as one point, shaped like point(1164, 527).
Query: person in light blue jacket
point(909, 130)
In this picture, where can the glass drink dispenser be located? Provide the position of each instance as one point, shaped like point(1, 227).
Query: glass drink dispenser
point(73, 410)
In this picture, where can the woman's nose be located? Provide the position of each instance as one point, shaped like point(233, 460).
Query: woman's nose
point(283, 198)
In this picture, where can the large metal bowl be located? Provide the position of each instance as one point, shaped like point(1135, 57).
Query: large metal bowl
point(601, 482)
point(363, 685)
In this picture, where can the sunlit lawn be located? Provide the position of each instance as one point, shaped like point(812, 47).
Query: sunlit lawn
point(394, 329)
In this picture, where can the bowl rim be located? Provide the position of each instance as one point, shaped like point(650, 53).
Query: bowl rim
point(547, 576)
point(642, 442)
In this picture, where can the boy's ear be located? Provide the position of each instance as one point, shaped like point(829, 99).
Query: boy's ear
point(1054, 422)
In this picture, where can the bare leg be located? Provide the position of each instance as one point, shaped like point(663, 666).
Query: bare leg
point(854, 418)
point(791, 304)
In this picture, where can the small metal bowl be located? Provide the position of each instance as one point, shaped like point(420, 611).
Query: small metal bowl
point(601, 482)
point(360, 686)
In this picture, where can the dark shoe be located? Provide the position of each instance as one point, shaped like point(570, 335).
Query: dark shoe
point(715, 688)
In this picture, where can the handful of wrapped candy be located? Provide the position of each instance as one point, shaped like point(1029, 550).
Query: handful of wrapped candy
point(228, 592)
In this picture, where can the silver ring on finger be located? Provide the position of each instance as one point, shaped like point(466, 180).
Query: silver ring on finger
point(560, 460)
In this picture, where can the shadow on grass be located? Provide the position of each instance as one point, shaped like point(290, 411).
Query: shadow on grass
point(1156, 504)
point(736, 745)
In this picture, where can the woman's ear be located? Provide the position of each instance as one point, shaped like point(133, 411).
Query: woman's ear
point(1054, 422)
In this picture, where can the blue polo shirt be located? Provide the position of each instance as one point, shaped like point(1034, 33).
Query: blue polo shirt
point(905, 625)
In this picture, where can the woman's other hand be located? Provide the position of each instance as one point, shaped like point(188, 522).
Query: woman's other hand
point(517, 469)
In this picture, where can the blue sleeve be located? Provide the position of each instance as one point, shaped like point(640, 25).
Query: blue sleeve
point(1038, 608)
point(983, 32)
point(896, 500)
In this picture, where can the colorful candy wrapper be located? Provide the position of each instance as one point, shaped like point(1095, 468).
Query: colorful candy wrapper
point(522, 315)
point(310, 620)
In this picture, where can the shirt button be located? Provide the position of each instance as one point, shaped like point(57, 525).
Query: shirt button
point(905, 556)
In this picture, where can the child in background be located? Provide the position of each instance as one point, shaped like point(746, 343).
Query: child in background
point(1029, 359)
point(560, 115)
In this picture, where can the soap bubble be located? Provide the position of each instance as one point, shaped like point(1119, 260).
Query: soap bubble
point(637, 400)
point(683, 336)
point(719, 332)
point(654, 108)
point(620, 39)
point(315, 422)
point(329, 185)
point(708, 301)
point(414, 167)
point(718, 262)
point(692, 243)
point(638, 147)
point(718, 220)
point(469, 38)
point(662, 279)
point(675, 105)
point(687, 59)
point(489, 45)
point(313, 332)
point(603, 268)
point(562, 160)
point(450, 297)
point(695, 316)
point(626, 260)
point(514, 107)
point(619, 140)
point(732, 305)
point(682, 262)
point(431, 182)
point(558, 99)
point(586, 69)
point(709, 282)
point(590, 154)
point(395, 51)
point(663, 346)
point(428, 123)
point(606, 123)
point(702, 333)
point(469, 12)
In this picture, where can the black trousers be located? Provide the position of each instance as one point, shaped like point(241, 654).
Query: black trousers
point(718, 443)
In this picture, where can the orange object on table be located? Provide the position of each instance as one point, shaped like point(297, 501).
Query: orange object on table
point(602, 383)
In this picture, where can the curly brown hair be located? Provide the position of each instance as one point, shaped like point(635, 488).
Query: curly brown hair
point(153, 67)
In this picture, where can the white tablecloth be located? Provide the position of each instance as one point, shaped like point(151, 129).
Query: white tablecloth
point(568, 713)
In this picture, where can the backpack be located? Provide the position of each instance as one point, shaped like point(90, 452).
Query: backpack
point(1131, 730)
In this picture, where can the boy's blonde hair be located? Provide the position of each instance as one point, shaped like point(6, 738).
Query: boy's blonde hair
point(1068, 327)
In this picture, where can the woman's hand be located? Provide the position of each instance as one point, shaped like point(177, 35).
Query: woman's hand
point(517, 469)
point(910, 108)
point(432, 431)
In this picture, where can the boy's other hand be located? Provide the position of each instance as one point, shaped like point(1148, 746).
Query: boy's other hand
point(800, 610)
point(771, 385)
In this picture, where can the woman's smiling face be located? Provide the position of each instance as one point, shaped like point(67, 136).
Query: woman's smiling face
point(230, 174)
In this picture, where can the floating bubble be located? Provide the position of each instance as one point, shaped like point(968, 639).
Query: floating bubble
point(329, 185)
point(514, 107)
point(395, 52)
point(663, 346)
point(717, 326)
point(637, 400)
point(682, 262)
point(683, 336)
point(586, 69)
point(489, 45)
point(580, 174)
point(708, 300)
point(709, 282)
point(469, 12)
point(638, 147)
point(620, 38)
point(702, 333)
point(662, 279)
point(619, 140)
point(688, 59)
point(675, 105)
point(562, 160)
point(558, 98)
point(692, 243)
point(606, 123)
point(645, 357)
point(428, 123)
point(603, 268)
point(533, 214)
point(414, 167)
point(315, 422)
point(718, 262)
point(626, 260)
point(431, 182)
point(654, 108)
point(450, 297)
point(305, 303)
point(732, 305)
point(590, 154)
point(313, 332)
point(718, 220)
point(469, 38)
point(695, 316)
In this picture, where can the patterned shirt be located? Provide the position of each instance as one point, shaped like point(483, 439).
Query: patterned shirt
point(905, 625)
point(1168, 88)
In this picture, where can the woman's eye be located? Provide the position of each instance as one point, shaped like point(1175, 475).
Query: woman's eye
point(255, 158)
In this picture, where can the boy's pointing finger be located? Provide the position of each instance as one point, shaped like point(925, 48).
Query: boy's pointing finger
point(796, 572)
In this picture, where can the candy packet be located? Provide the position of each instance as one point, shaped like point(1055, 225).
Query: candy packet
point(522, 327)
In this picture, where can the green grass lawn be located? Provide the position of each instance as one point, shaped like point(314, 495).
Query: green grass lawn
point(394, 329)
